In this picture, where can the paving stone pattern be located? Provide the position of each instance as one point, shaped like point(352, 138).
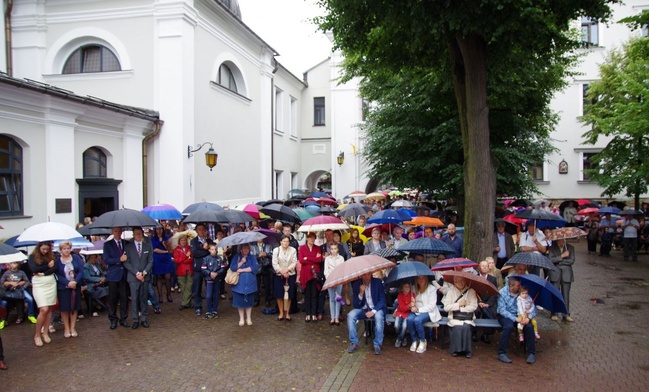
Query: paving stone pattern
point(606, 348)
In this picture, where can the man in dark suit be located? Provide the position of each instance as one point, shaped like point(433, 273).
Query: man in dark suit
point(114, 257)
point(486, 303)
point(504, 247)
point(139, 264)
point(200, 249)
point(369, 303)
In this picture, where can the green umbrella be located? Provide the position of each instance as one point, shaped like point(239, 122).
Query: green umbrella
point(305, 214)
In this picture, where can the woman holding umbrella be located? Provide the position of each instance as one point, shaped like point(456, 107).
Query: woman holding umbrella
point(43, 266)
point(310, 259)
point(69, 274)
point(245, 290)
point(460, 302)
point(284, 263)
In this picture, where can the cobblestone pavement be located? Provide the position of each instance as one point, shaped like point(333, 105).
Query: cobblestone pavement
point(605, 348)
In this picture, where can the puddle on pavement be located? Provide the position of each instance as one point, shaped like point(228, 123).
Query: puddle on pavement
point(626, 333)
point(630, 306)
point(631, 279)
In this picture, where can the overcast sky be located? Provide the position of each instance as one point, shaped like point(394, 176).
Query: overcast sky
point(285, 25)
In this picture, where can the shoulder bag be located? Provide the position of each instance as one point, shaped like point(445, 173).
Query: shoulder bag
point(231, 277)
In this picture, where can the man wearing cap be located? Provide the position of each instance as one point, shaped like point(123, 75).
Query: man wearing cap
point(504, 247)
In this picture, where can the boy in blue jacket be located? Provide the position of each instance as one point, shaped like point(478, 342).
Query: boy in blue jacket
point(213, 268)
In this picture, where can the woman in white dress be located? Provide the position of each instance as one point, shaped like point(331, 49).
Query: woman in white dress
point(42, 264)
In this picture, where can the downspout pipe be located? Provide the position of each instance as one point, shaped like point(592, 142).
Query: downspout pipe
point(273, 186)
point(8, 51)
point(145, 159)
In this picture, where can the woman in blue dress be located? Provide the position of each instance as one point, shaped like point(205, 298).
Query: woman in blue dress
point(162, 263)
point(244, 292)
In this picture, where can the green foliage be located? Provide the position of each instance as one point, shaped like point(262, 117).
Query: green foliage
point(620, 112)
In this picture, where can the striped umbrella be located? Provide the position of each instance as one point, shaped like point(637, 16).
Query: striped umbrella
point(162, 211)
point(425, 245)
point(451, 264)
point(388, 253)
point(354, 268)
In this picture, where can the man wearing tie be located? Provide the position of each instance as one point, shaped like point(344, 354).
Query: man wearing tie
point(139, 264)
point(200, 249)
point(114, 257)
point(369, 303)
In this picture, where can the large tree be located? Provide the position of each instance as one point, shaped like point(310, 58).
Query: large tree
point(619, 110)
point(467, 38)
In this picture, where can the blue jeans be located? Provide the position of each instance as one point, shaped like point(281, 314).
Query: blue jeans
point(334, 306)
point(212, 295)
point(152, 295)
point(508, 327)
point(401, 326)
point(359, 314)
point(416, 325)
point(30, 304)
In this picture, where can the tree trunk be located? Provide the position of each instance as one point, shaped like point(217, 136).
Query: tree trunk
point(469, 65)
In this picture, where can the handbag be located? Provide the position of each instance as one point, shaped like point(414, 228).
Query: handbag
point(318, 276)
point(464, 316)
point(231, 277)
point(17, 293)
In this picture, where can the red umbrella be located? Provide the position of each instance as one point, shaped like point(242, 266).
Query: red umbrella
point(583, 202)
point(368, 229)
point(588, 211)
point(511, 218)
point(323, 222)
point(451, 264)
point(480, 285)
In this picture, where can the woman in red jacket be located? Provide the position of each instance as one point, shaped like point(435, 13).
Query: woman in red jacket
point(184, 260)
point(310, 258)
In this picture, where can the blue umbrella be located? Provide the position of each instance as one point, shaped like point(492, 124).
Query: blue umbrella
point(609, 210)
point(552, 224)
point(408, 270)
point(13, 241)
point(162, 212)
point(388, 217)
point(318, 194)
point(544, 293)
point(425, 245)
point(410, 213)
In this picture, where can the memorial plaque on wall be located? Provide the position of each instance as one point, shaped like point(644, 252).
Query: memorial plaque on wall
point(63, 205)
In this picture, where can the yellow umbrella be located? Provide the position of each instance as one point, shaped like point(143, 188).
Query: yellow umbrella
point(340, 207)
point(375, 196)
point(347, 235)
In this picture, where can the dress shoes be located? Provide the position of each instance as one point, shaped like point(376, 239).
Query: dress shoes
point(113, 324)
point(135, 325)
point(124, 323)
point(145, 324)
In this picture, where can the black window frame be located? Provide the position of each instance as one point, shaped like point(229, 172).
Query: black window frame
point(99, 159)
point(232, 82)
point(589, 32)
point(103, 50)
point(319, 111)
point(13, 175)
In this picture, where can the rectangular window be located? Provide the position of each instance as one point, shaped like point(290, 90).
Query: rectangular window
point(279, 189)
point(293, 117)
point(584, 97)
point(294, 181)
point(318, 111)
point(589, 32)
point(365, 109)
point(279, 110)
point(536, 172)
point(588, 164)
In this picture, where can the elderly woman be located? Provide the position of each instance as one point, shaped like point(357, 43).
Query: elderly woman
point(184, 260)
point(562, 256)
point(375, 243)
point(460, 302)
point(423, 311)
point(69, 274)
point(43, 266)
point(96, 282)
point(245, 290)
point(284, 263)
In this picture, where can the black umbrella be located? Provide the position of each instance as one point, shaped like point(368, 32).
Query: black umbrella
point(354, 209)
point(327, 210)
point(205, 215)
point(388, 253)
point(124, 218)
point(268, 202)
point(520, 203)
point(629, 212)
point(280, 212)
point(91, 229)
point(203, 204)
point(537, 214)
point(534, 259)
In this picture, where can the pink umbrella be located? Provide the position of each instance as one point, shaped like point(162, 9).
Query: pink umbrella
point(588, 211)
point(323, 222)
point(451, 264)
point(250, 209)
point(354, 268)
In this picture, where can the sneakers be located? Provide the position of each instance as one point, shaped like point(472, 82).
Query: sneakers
point(352, 348)
point(377, 350)
point(413, 346)
point(521, 338)
point(537, 336)
point(397, 344)
point(504, 358)
point(568, 319)
point(197, 312)
point(554, 317)
point(422, 347)
point(2, 324)
point(531, 359)
point(32, 319)
point(208, 315)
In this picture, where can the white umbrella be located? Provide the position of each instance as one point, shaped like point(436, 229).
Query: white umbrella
point(48, 231)
point(9, 254)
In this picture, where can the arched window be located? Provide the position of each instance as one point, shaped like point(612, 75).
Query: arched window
point(226, 78)
point(11, 177)
point(91, 58)
point(94, 163)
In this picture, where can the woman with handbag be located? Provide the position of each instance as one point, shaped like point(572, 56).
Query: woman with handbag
point(245, 289)
point(284, 263)
point(460, 302)
point(423, 311)
point(184, 260)
point(43, 267)
point(310, 258)
point(69, 276)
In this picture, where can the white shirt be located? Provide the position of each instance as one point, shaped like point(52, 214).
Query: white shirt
point(528, 240)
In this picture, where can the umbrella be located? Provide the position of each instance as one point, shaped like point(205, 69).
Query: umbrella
point(203, 204)
point(382, 227)
point(584, 202)
point(629, 212)
point(520, 203)
point(347, 235)
point(388, 253)
point(321, 223)
point(531, 258)
point(90, 229)
point(97, 248)
point(250, 209)
point(537, 214)
point(280, 212)
point(77, 243)
point(9, 254)
point(242, 237)
point(327, 210)
point(395, 193)
point(617, 204)
point(271, 201)
point(375, 196)
point(190, 234)
point(162, 211)
point(537, 203)
point(13, 241)
point(480, 285)
point(511, 218)
point(408, 212)
point(408, 270)
point(357, 194)
point(50, 231)
point(325, 201)
point(304, 214)
point(312, 207)
point(387, 216)
point(609, 210)
point(425, 245)
point(211, 216)
point(425, 221)
point(354, 268)
point(318, 194)
point(551, 224)
point(124, 218)
point(354, 209)
point(451, 264)
point(588, 211)
point(402, 203)
point(544, 293)
point(234, 216)
point(511, 228)
point(566, 232)
point(294, 192)
point(272, 237)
